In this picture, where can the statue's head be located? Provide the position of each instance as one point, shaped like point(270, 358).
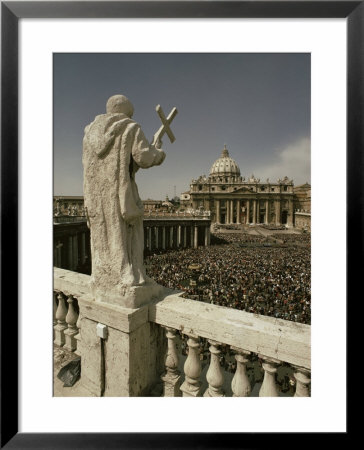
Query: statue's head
point(120, 104)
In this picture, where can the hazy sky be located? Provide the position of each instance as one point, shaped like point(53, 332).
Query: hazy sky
point(256, 104)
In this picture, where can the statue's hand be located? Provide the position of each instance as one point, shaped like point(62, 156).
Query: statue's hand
point(158, 144)
point(160, 158)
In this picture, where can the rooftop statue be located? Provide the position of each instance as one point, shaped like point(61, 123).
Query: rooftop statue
point(114, 148)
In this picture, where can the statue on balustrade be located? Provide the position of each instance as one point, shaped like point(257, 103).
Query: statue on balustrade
point(114, 148)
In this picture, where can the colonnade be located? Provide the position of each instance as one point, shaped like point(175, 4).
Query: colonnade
point(169, 236)
point(244, 211)
point(71, 252)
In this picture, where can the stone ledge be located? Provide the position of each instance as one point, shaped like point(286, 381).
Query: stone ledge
point(71, 283)
point(284, 340)
point(114, 316)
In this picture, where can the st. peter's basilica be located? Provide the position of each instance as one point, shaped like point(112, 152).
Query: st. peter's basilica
point(232, 199)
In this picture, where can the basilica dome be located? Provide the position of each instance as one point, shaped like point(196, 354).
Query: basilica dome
point(225, 165)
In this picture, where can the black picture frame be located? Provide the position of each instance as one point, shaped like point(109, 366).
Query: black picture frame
point(11, 12)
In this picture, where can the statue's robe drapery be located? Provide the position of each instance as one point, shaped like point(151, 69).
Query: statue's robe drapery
point(114, 147)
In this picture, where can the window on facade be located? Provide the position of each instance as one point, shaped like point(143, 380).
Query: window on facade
point(272, 189)
point(223, 188)
point(285, 188)
point(212, 188)
point(199, 187)
point(262, 188)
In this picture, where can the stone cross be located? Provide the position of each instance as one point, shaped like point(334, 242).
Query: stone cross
point(165, 128)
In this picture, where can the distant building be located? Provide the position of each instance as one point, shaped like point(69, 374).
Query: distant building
point(185, 199)
point(167, 205)
point(302, 206)
point(152, 205)
point(302, 197)
point(71, 205)
point(232, 199)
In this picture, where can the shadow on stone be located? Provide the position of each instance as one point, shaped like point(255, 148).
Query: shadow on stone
point(70, 373)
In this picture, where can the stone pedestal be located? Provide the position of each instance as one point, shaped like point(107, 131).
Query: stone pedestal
point(129, 296)
point(130, 360)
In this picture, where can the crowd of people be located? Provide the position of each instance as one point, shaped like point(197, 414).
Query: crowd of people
point(221, 238)
point(294, 238)
point(273, 281)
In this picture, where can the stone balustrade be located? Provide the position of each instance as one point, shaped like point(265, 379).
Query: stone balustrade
point(273, 344)
point(274, 341)
point(68, 286)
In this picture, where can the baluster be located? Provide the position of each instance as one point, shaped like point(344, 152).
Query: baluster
point(240, 384)
point(172, 376)
point(269, 386)
point(78, 336)
point(61, 324)
point(303, 380)
point(214, 375)
point(71, 319)
point(192, 368)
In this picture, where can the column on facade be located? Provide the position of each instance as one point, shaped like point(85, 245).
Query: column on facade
point(75, 251)
point(231, 211)
point(278, 211)
point(195, 240)
point(207, 236)
point(227, 211)
point(83, 248)
point(238, 211)
point(70, 253)
point(150, 238)
point(266, 221)
point(184, 236)
point(55, 255)
point(163, 237)
point(247, 212)
point(290, 213)
point(156, 232)
point(218, 218)
point(179, 230)
point(171, 236)
point(254, 221)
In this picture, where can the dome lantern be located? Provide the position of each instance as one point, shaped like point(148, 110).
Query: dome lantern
point(225, 152)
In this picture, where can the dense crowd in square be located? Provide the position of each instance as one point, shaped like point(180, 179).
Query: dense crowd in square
point(244, 274)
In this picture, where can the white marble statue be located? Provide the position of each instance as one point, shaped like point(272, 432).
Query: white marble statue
point(114, 148)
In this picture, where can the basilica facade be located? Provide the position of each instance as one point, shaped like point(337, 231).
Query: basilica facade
point(232, 199)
